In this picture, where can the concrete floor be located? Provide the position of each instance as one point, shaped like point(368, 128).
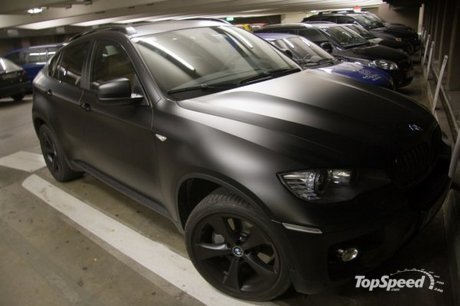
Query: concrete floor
point(46, 259)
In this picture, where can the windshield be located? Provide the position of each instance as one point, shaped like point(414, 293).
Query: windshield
point(368, 23)
point(201, 61)
point(345, 37)
point(361, 31)
point(304, 52)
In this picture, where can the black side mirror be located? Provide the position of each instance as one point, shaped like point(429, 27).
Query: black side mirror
point(326, 46)
point(117, 92)
point(288, 53)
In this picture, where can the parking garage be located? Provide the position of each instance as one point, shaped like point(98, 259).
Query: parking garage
point(229, 152)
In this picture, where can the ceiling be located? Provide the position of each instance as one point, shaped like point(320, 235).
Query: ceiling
point(59, 13)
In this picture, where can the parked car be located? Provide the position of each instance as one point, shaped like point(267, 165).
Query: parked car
point(13, 80)
point(383, 40)
point(310, 56)
point(407, 35)
point(277, 176)
point(347, 45)
point(32, 59)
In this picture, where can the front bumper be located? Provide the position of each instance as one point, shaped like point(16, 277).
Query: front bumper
point(315, 265)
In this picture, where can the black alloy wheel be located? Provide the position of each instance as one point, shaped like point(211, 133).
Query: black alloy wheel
point(53, 155)
point(233, 250)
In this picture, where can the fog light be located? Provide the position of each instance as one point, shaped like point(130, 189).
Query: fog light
point(347, 254)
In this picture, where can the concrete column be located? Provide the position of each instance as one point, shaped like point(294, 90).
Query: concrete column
point(441, 15)
point(453, 66)
point(446, 31)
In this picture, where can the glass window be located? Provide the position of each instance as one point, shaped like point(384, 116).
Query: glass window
point(70, 67)
point(200, 61)
point(345, 37)
point(313, 35)
point(111, 62)
point(344, 19)
point(36, 56)
point(304, 52)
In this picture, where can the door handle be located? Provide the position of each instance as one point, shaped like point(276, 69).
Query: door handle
point(86, 107)
point(49, 92)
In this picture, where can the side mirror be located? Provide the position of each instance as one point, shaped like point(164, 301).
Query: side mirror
point(288, 53)
point(117, 92)
point(326, 46)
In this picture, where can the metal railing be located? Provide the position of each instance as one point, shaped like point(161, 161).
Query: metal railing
point(427, 71)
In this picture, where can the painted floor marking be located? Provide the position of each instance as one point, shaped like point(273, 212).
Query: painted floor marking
point(174, 268)
point(24, 161)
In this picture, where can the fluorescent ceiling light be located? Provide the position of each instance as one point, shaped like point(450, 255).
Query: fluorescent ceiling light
point(36, 10)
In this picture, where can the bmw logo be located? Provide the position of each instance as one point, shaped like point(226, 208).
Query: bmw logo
point(237, 251)
point(415, 128)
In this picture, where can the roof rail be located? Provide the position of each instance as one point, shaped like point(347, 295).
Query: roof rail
point(205, 19)
point(123, 29)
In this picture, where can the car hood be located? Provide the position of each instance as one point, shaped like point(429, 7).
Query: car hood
point(314, 112)
point(373, 52)
point(361, 73)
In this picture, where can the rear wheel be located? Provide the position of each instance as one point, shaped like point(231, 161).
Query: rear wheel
point(17, 97)
point(235, 248)
point(54, 156)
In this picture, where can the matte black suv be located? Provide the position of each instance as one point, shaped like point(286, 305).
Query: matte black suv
point(277, 176)
point(347, 45)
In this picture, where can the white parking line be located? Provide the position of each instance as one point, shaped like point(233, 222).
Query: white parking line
point(154, 256)
point(25, 161)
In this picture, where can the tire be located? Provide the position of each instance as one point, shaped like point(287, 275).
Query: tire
point(236, 248)
point(54, 156)
point(17, 97)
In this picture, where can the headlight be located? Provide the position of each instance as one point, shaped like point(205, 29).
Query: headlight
point(384, 64)
point(332, 185)
point(398, 39)
point(313, 184)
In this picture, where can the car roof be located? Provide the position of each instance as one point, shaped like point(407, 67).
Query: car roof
point(275, 36)
point(287, 25)
point(58, 45)
point(157, 27)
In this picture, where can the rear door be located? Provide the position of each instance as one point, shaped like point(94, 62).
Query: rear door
point(63, 90)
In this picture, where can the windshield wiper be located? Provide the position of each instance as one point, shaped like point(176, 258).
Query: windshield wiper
point(203, 87)
point(266, 75)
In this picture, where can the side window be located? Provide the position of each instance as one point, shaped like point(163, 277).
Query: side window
point(344, 19)
point(35, 56)
point(313, 34)
point(110, 61)
point(70, 67)
point(52, 71)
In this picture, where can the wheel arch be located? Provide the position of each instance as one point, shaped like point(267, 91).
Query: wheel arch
point(192, 188)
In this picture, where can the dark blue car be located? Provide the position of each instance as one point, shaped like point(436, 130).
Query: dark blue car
point(308, 55)
point(32, 59)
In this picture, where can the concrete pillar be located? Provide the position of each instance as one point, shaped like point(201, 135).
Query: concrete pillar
point(441, 15)
point(453, 66)
point(446, 32)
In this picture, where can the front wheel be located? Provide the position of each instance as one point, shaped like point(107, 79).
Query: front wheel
point(236, 248)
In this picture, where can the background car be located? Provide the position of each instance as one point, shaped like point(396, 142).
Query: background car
point(13, 80)
point(383, 39)
point(310, 56)
point(406, 34)
point(32, 59)
point(346, 44)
